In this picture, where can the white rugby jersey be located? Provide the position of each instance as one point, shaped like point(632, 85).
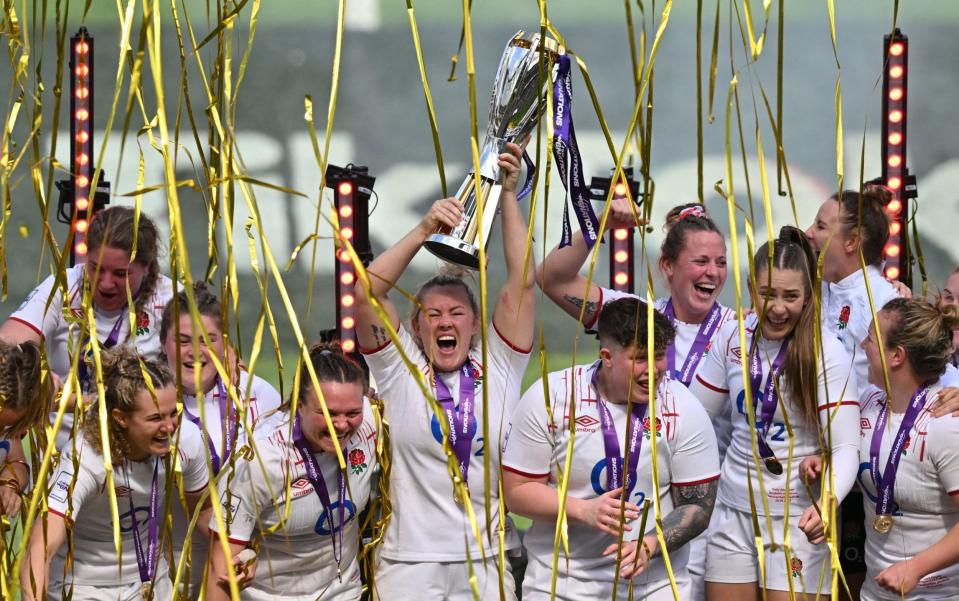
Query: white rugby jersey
point(87, 506)
point(719, 411)
point(537, 445)
point(263, 400)
point(721, 377)
point(58, 327)
point(846, 313)
point(924, 495)
point(298, 558)
point(427, 524)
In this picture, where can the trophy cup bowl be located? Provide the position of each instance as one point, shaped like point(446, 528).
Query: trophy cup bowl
point(514, 110)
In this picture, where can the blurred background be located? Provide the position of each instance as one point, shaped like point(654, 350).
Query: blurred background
point(381, 122)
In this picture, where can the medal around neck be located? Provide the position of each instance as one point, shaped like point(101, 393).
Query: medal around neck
point(517, 96)
point(882, 523)
point(774, 466)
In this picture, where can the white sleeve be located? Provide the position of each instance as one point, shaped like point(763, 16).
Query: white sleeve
point(509, 359)
point(386, 362)
point(239, 501)
point(695, 458)
point(606, 295)
point(528, 449)
point(61, 499)
point(192, 458)
point(839, 415)
point(34, 310)
point(944, 452)
point(711, 384)
point(267, 398)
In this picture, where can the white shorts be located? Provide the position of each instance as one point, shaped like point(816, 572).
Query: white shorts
point(162, 590)
point(696, 566)
point(731, 555)
point(429, 581)
point(347, 587)
point(538, 580)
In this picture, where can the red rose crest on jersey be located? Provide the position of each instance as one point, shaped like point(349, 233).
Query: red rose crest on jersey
point(843, 317)
point(795, 564)
point(143, 323)
point(357, 461)
point(647, 429)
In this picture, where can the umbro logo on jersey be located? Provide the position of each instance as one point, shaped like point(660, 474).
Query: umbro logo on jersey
point(737, 355)
point(864, 423)
point(586, 423)
point(122, 491)
point(300, 488)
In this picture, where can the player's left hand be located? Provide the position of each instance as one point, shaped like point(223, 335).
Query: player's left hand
point(636, 555)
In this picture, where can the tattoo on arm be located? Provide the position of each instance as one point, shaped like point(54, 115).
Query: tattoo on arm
point(694, 507)
point(380, 335)
point(591, 306)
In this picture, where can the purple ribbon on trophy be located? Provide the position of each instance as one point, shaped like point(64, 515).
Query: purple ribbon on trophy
point(706, 332)
point(614, 460)
point(565, 146)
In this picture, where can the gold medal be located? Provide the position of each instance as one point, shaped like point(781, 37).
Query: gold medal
point(146, 591)
point(773, 465)
point(882, 523)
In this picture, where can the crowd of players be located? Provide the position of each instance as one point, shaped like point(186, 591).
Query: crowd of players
point(702, 453)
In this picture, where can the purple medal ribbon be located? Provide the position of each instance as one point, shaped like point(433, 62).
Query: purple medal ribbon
point(770, 397)
point(229, 429)
point(315, 476)
point(707, 330)
point(460, 419)
point(614, 461)
point(530, 176)
point(110, 342)
point(564, 144)
point(146, 565)
point(886, 481)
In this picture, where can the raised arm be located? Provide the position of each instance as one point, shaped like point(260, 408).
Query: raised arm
point(558, 275)
point(45, 540)
point(387, 268)
point(515, 308)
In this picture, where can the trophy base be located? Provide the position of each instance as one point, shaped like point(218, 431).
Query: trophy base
point(453, 250)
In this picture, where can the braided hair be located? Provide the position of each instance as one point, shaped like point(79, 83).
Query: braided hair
point(23, 386)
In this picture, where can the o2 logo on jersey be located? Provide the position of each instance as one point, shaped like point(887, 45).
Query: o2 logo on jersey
point(777, 430)
point(864, 477)
point(597, 479)
point(323, 523)
point(142, 514)
point(438, 435)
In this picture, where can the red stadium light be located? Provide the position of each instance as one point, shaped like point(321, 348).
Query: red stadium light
point(896, 49)
point(81, 248)
point(895, 94)
point(621, 279)
point(896, 71)
point(345, 188)
point(895, 173)
point(83, 203)
point(82, 225)
point(347, 300)
point(346, 232)
point(894, 183)
point(346, 211)
point(894, 228)
point(348, 323)
point(348, 346)
point(895, 116)
point(895, 160)
point(82, 47)
point(892, 250)
point(619, 190)
point(892, 272)
point(894, 207)
point(621, 234)
point(82, 114)
point(621, 256)
point(895, 138)
point(346, 278)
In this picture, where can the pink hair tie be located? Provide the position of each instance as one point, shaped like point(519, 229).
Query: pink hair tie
point(694, 211)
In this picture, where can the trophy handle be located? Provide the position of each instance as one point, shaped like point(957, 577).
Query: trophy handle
point(460, 245)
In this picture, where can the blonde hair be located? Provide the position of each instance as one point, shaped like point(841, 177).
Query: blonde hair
point(924, 330)
point(23, 387)
point(123, 380)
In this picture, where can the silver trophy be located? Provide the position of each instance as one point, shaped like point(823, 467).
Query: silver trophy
point(512, 116)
